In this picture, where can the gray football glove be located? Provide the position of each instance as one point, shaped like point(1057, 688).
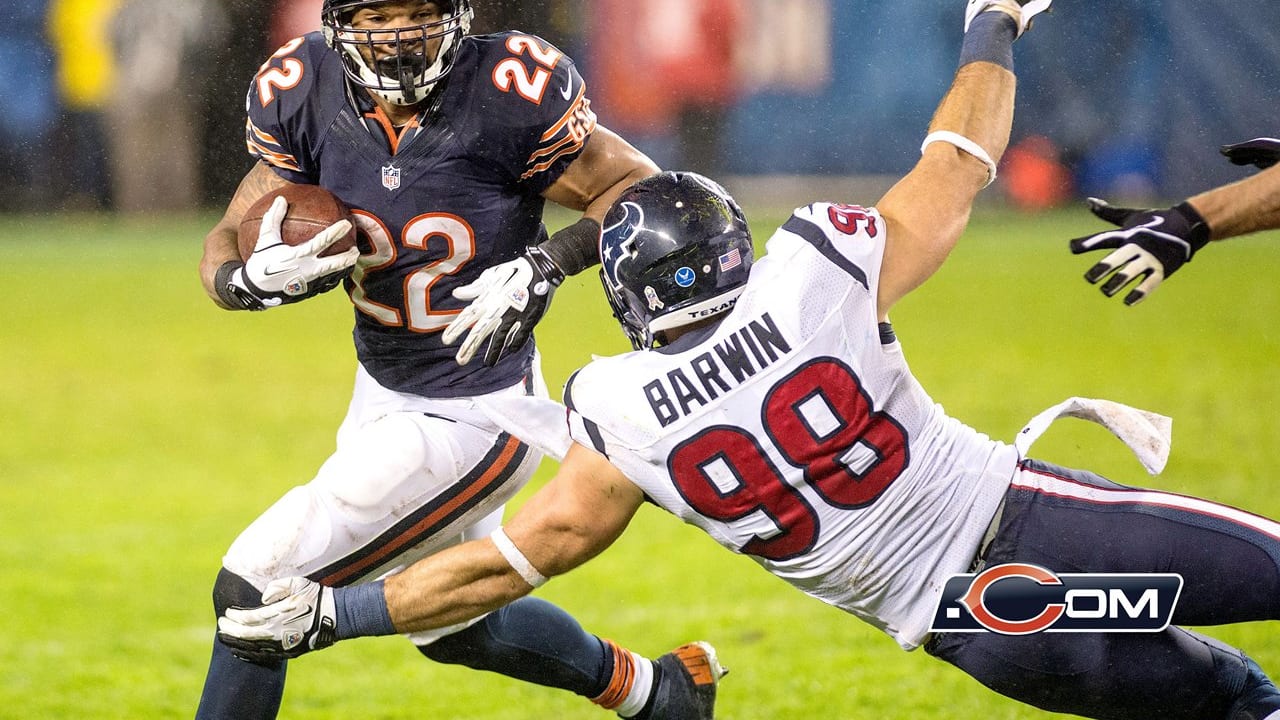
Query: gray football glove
point(296, 617)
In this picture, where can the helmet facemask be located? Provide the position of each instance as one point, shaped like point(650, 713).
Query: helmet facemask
point(395, 63)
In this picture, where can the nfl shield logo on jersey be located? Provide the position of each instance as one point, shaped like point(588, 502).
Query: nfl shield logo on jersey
point(390, 177)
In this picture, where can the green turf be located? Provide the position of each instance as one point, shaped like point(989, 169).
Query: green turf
point(143, 428)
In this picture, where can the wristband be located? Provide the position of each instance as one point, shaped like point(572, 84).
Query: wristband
point(990, 39)
point(516, 559)
point(1198, 231)
point(222, 285)
point(964, 144)
point(361, 611)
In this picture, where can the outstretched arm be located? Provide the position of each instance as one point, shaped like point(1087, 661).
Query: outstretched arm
point(573, 518)
point(927, 210)
point(1243, 207)
point(579, 513)
point(1153, 243)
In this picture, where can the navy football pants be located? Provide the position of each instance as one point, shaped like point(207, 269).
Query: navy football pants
point(1071, 521)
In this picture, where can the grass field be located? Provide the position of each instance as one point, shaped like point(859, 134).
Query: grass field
point(143, 428)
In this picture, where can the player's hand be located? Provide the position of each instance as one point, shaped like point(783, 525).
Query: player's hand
point(1022, 11)
point(276, 273)
point(296, 617)
point(1150, 246)
point(507, 300)
point(1260, 152)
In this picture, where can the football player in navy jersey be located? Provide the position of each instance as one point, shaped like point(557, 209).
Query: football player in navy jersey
point(445, 146)
point(770, 404)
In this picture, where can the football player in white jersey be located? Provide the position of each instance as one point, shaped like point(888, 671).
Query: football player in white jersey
point(771, 406)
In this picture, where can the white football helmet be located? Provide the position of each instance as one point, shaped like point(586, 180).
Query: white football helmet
point(393, 63)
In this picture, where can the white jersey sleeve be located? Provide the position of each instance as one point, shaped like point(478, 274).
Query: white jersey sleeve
point(794, 432)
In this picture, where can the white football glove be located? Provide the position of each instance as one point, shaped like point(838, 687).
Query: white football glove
point(1021, 10)
point(507, 300)
point(296, 617)
point(277, 273)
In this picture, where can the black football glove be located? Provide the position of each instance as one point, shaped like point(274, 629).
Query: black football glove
point(1150, 246)
point(507, 300)
point(1260, 152)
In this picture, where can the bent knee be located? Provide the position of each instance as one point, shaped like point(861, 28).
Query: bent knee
point(231, 590)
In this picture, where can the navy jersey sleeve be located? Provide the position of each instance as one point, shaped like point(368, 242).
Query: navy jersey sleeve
point(281, 127)
point(539, 104)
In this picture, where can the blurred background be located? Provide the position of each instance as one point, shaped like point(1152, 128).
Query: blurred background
point(141, 428)
point(136, 105)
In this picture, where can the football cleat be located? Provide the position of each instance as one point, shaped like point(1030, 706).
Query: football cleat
point(686, 687)
point(1022, 10)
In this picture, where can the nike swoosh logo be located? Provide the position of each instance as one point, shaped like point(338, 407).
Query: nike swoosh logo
point(567, 91)
point(1156, 222)
point(304, 611)
point(271, 272)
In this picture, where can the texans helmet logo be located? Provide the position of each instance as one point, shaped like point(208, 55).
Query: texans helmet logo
point(617, 242)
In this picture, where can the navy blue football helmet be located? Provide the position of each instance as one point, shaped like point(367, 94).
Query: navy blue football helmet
point(675, 249)
point(405, 75)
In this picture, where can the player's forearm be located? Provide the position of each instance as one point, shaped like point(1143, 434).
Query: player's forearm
point(1244, 207)
point(219, 247)
point(979, 106)
point(451, 587)
point(927, 211)
point(607, 166)
point(629, 170)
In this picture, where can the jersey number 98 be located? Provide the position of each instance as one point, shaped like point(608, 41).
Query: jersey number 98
point(821, 422)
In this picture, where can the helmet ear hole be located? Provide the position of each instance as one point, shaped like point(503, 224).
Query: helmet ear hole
point(675, 249)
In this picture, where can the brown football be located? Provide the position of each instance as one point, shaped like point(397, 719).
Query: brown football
point(311, 209)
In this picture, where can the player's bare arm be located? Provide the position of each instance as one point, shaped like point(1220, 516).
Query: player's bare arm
point(570, 520)
point(928, 209)
point(607, 166)
point(1243, 207)
point(220, 243)
point(276, 272)
point(573, 518)
point(1153, 243)
point(509, 299)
